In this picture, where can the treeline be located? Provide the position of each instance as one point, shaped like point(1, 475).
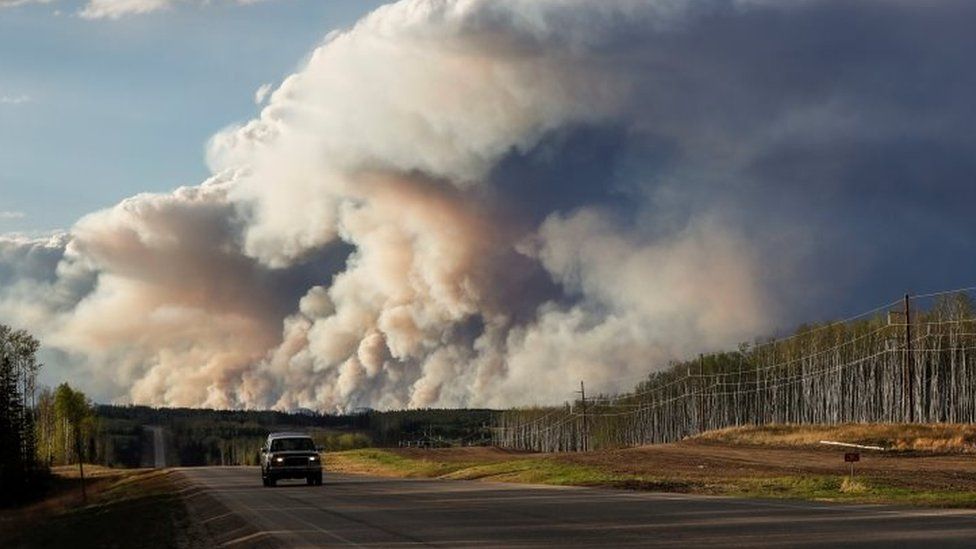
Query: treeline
point(431, 427)
point(908, 364)
point(193, 437)
point(19, 467)
point(37, 430)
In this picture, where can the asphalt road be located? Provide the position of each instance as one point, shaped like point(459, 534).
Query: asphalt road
point(379, 512)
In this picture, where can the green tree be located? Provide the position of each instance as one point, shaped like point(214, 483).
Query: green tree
point(18, 370)
point(76, 414)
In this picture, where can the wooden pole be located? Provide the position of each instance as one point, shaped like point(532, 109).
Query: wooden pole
point(81, 468)
point(701, 393)
point(909, 370)
point(586, 428)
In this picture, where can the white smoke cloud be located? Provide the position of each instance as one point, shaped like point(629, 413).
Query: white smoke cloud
point(387, 145)
point(471, 94)
point(640, 303)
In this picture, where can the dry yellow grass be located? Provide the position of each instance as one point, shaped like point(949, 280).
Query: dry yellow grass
point(936, 438)
point(849, 486)
point(125, 508)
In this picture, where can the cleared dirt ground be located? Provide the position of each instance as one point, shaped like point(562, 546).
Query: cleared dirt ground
point(929, 464)
point(704, 460)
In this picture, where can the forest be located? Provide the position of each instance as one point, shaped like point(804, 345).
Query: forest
point(913, 360)
point(193, 437)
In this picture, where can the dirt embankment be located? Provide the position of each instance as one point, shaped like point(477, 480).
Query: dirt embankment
point(123, 508)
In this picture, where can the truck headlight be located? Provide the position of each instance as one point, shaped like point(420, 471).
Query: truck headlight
point(279, 460)
point(313, 458)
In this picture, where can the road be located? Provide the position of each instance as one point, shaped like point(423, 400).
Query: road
point(159, 447)
point(359, 511)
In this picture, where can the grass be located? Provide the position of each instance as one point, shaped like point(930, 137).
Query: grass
point(125, 508)
point(525, 470)
point(842, 489)
point(938, 438)
point(553, 470)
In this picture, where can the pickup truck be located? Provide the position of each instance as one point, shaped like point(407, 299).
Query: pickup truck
point(290, 455)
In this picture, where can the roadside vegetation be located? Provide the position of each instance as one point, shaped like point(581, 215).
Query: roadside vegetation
point(941, 437)
point(928, 465)
point(125, 508)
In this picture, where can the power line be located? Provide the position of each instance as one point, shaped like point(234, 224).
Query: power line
point(825, 374)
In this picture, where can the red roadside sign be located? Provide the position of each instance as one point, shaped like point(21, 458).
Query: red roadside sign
point(852, 457)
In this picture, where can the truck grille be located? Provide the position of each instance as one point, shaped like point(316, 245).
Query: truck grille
point(296, 461)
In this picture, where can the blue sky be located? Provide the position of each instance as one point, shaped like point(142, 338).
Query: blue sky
point(93, 111)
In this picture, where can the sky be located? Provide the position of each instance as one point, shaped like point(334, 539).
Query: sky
point(95, 110)
point(466, 202)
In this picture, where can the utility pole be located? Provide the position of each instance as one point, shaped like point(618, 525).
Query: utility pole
point(701, 392)
point(81, 468)
point(586, 425)
point(909, 366)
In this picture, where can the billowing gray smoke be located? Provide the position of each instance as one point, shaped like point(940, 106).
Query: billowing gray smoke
point(480, 202)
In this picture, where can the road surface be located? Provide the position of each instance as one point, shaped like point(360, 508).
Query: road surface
point(359, 511)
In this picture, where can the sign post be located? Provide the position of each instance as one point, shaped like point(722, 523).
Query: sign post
point(852, 458)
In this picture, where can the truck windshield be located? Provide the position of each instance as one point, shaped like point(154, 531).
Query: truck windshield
point(292, 444)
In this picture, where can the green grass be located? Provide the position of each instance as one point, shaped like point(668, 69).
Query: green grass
point(530, 470)
point(371, 460)
point(834, 488)
point(538, 471)
point(549, 470)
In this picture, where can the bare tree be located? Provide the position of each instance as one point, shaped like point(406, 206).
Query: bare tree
point(880, 367)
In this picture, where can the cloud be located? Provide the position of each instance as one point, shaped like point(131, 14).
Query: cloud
point(12, 3)
point(116, 9)
point(477, 203)
point(15, 99)
point(12, 215)
point(262, 93)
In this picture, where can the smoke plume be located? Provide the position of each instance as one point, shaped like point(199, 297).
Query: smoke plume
point(480, 202)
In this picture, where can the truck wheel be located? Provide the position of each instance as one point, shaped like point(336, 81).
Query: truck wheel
point(318, 479)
